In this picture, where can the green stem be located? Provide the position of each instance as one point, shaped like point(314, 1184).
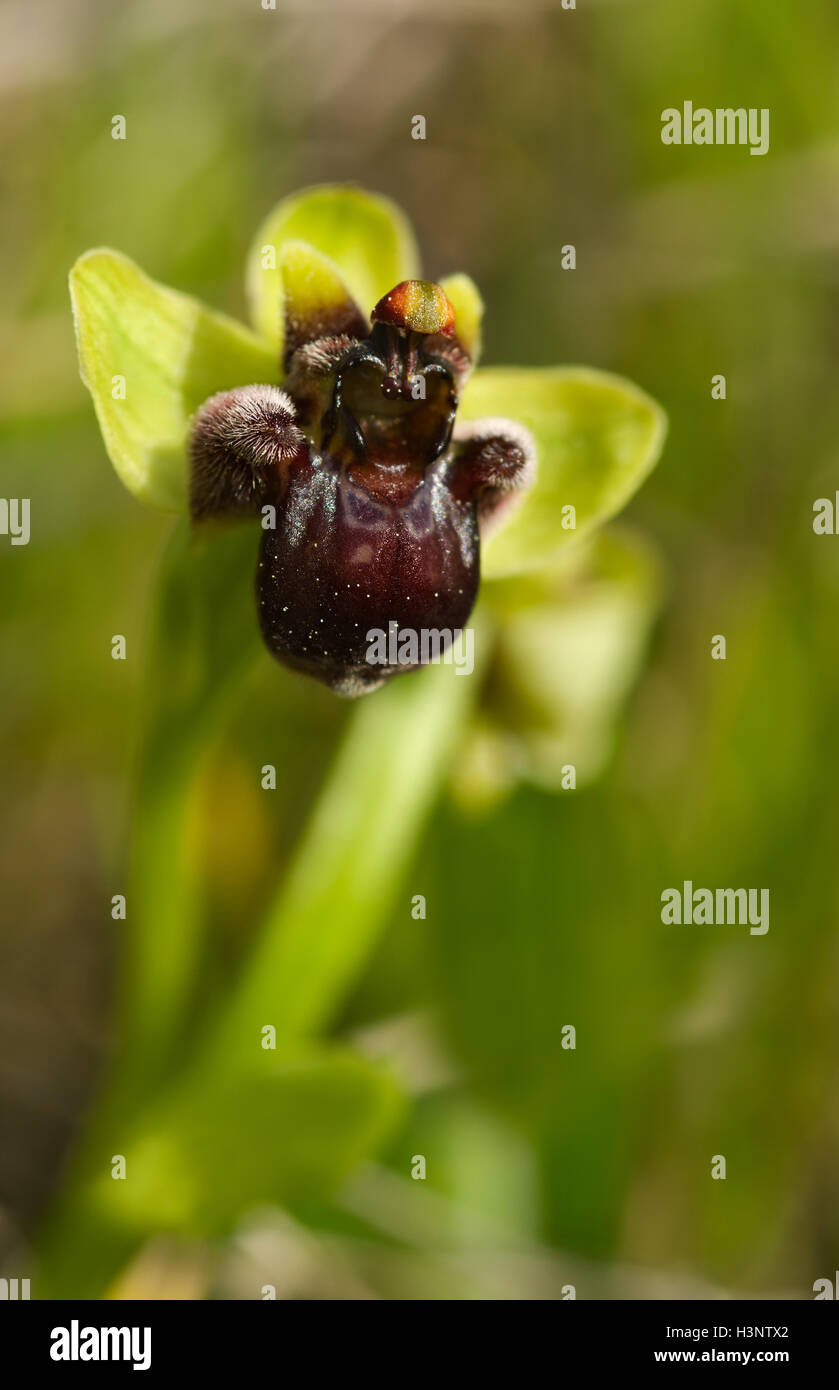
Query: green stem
point(327, 916)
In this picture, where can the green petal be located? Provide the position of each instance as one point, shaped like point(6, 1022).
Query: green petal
point(315, 301)
point(465, 298)
point(597, 437)
point(367, 237)
point(172, 354)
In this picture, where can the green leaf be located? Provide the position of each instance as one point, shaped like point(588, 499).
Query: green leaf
point(597, 438)
point(172, 354)
point(465, 298)
point(215, 1147)
point(366, 236)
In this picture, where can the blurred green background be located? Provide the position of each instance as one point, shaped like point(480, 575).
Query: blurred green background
point(546, 1167)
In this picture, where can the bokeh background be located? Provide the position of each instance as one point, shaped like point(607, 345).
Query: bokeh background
point(546, 1167)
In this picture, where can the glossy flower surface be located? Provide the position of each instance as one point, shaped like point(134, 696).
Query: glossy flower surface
point(372, 498)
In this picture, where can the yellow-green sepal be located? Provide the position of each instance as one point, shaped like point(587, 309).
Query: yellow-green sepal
point(149, 357)
point(597, 438)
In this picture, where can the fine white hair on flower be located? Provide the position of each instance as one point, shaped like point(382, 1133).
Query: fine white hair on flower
point(498, 431)
point(259, 419)
point(505, 454)
point(323, 355)
point(239, 442)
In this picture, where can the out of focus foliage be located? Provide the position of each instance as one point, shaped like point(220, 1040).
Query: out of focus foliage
point(545, 1166)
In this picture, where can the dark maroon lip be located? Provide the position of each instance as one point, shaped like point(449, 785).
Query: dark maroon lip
point(370, 501)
